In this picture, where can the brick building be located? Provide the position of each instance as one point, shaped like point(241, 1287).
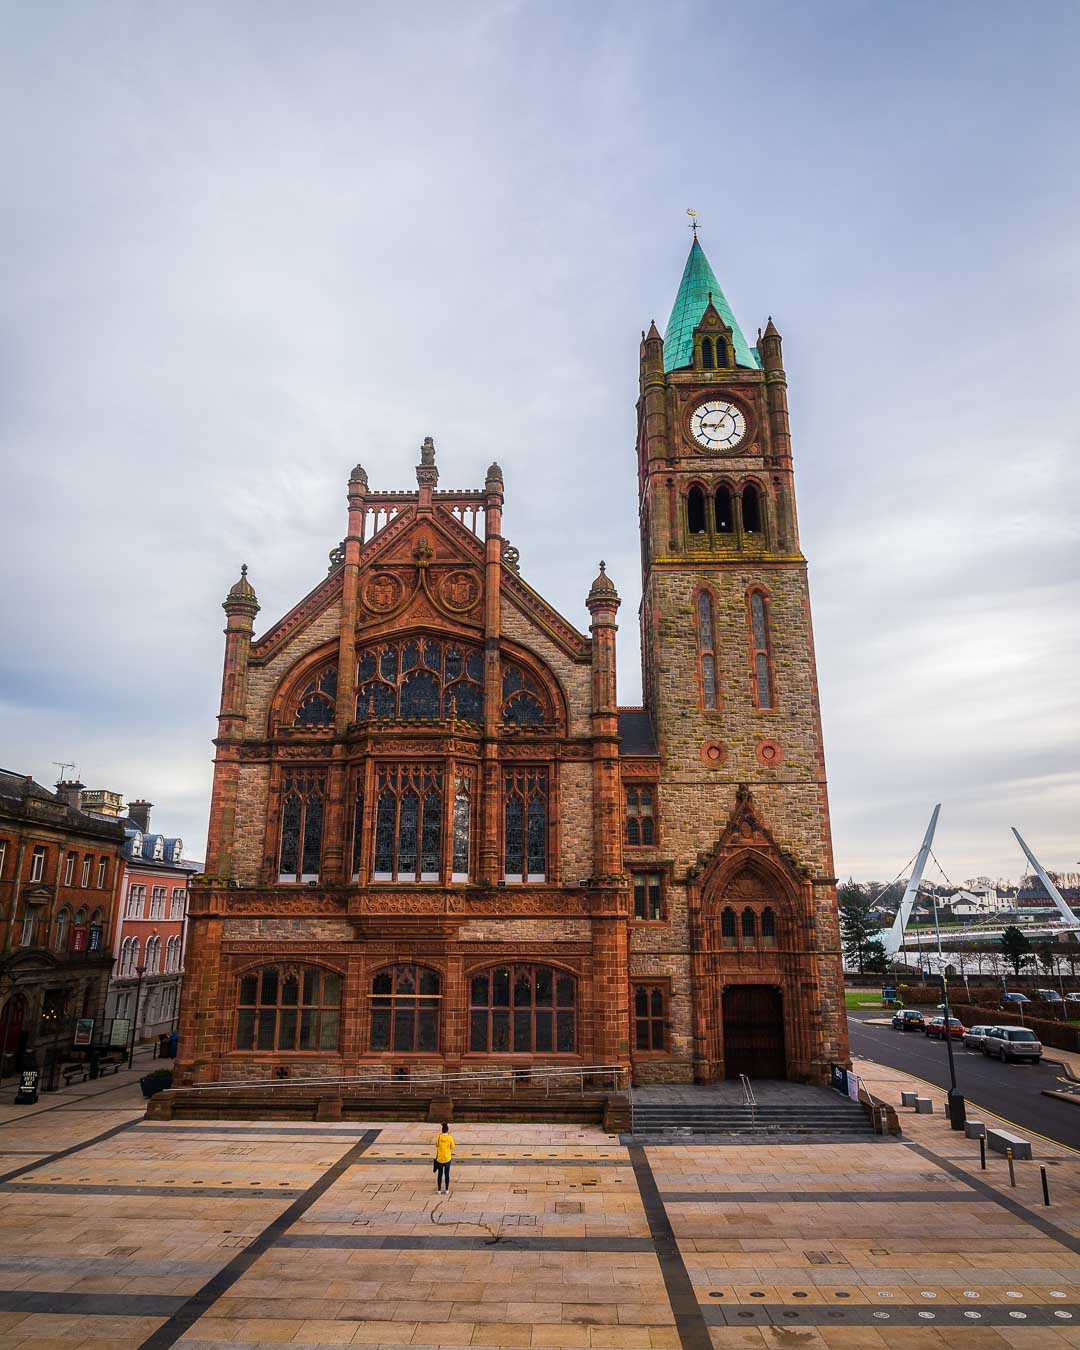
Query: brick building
point(437, 840)
point(58, 872)
point(150, 927)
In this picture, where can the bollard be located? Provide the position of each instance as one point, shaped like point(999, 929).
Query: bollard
point(1012, 1167)
point(1046, 1186)
point(982, 1151)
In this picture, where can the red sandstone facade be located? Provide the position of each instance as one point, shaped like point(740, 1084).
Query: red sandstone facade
point(435, 838)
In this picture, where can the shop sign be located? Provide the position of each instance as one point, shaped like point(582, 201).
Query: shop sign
point(27, 1093)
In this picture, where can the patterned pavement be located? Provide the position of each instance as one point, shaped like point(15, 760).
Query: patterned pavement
point(118, 1232)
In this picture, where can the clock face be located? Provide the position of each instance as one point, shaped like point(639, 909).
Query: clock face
point(717, 425)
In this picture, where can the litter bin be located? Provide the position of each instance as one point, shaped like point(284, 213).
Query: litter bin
point(164, 1045)
point(174, 1038)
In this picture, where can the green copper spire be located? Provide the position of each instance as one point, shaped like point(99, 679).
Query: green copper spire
point(697, 283)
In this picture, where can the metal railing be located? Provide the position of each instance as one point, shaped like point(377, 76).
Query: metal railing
point(592, 1078)
point(748, 1091)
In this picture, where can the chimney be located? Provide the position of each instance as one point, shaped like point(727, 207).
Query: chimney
point(70, 791)
point(139, 812)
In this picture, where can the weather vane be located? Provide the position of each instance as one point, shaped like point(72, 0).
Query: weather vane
point(693, 219)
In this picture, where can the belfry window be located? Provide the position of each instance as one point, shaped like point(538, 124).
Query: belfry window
point(751, 509)
point(289, 1008)
point(695, 511)
point(525, 825)
point(706, 651)
point(301, 826)
point(316, 705)
point(408, 822)
point(405, 1010)
point(721, 353)
point(419, 679)
point(760, 650)
point(522, 1009)
point(706, 354)
point(725, 517)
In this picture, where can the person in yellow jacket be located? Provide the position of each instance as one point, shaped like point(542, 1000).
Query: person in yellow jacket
point(444, 1156)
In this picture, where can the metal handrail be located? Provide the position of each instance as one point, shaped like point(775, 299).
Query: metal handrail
point(426, 1082)
point(748, 1091)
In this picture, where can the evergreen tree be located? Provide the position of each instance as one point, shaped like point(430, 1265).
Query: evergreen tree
point(863, 950)
point(1015, 947)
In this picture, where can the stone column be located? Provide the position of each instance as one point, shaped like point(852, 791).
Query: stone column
point(240, 606)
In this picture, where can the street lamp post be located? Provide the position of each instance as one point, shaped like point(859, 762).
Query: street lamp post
point(957, 1105)
point(140, 971)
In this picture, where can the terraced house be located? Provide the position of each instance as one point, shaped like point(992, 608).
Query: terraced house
point(437, 840)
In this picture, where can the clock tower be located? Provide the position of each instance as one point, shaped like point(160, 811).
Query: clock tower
point(730, 683)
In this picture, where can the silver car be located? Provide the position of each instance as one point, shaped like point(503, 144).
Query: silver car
point(973, 1037)
point(1015, 1043)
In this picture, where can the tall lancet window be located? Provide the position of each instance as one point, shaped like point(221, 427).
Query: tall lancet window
point(761, 652)
point(707, 651)
point(461, 824)
point(408, 822)
point(301, 826)
point(525, 825)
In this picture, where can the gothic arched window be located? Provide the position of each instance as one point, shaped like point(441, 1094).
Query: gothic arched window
point(706, 353)
point(749, 927)
point(706, 650)
point(727, 928)
point(721, 353)
point(522, 705)
point(525, 825)
point(316, 705)
point(408, 822)
point(405, 1010)
point(420, 678)
point(751, 509)
point(695, 511)
point(768, 927)
point(761, 653)
point(288, 1008)
point(523, 1010)
point(301, 826)
point(153, 955)
point(461, 826)
point(725, 518)
point(63, 921)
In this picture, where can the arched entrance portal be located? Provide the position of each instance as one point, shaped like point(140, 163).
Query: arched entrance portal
point(753, 1029)
point(11, 1026)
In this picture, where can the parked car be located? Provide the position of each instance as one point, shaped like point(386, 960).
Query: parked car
point(973, 1037)
point(908, 1019)
point(1048, 996)
point(935, 1028)
point(1012, 1043)
point(1073, 996)
point(1011, 998)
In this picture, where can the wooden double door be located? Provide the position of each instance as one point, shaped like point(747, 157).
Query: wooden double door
point(753, 1031)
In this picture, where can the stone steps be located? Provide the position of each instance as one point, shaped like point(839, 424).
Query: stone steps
point(768, 1119)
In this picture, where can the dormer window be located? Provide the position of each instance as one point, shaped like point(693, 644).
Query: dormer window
point(136, 845)
point(159, 849)
point(177, 850)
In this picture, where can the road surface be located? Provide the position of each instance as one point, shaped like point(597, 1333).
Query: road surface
point(1012, 1091)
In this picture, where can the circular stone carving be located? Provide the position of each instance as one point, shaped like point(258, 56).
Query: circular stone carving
point(769, 753)
point(713, 754)
point(459, 590)
point(383, 592)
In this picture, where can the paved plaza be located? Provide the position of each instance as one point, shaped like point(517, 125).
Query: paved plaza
point(119, 1232)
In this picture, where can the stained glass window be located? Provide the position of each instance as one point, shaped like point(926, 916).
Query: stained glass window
point(759, 636)
point(649, 1017)
point(408, 822)
point(418, 679)
point(405, 1010)
point(289, 1008)
point(316, 704)
point(524, 1009)
point(301, 826)
point(358, 833)
point(640, 823)
point(462, 816)
point(706, 650)
point(523, 703)
point(525, 825)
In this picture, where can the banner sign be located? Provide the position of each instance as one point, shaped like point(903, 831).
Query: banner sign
point(852, 1085)
point(96, 932)
point(78, 938)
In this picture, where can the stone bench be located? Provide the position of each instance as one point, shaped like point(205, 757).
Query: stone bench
point(924, 1106)
point(1002, 1140)
point(974, 1129)
point(908, 1098)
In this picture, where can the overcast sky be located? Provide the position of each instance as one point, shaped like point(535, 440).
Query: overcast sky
point(243, 246)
